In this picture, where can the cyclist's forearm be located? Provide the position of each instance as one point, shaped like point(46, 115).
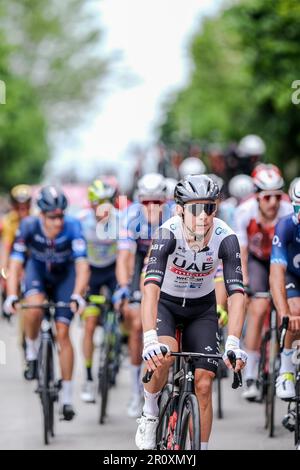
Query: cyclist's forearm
point(149, 307)
point(123, 267)
point(13, 280)
point(82, 277)
point(236, 314)
point(4, 257)
point(278, 291)
point(244, 262)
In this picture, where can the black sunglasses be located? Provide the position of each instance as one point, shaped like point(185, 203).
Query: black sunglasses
point(267, 197)
point(55, 216)
point(197, 208)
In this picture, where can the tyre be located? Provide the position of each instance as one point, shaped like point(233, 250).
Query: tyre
point(190, 436)
point(104, 385)
point(165, 411)
point(45, 378)
point(271, 389)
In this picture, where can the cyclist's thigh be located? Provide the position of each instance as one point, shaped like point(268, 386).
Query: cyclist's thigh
point(34, 279)
point(258, 275)
point(63, 287)
point(200, 335)
point(166, 319)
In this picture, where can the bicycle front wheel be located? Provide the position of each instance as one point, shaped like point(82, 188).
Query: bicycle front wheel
point(271, 390)
point(190, 436)
point(45, 377)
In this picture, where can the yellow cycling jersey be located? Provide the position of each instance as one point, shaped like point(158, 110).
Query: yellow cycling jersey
point(10, 226)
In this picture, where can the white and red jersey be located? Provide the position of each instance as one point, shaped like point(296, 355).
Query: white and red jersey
point(251, 232)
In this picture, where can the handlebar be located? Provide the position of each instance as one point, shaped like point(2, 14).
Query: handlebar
point(237, 376)
point(46, 305)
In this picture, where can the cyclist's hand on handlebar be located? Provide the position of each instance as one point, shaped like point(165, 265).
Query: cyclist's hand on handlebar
point(121, 293)
point(152, 352)
point(233, 344)
point(10, 303)
point(294, 324)
point(77, 303)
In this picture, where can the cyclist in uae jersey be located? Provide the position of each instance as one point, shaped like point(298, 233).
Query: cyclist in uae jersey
point(179, 289)
point(285, 287)
point(255, 221)
point(100, 227)
point(53, 250)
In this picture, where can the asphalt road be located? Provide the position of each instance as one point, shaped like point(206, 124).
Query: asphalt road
point(21, 425)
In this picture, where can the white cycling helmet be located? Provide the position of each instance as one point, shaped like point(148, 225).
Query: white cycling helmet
point(251, 146)
point(170, 184)
point(267, 177)
point(151, 186)
point(191, 166)
point(241, 186)
point(294, 191)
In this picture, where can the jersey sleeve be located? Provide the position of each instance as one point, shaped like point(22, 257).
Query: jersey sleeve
point(79, 246)
point(279, 253)
point(129, 226)
point(19, 249)
point(162, 246)
point(230, 254)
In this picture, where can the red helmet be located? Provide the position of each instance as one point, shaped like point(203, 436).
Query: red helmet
point(267, 177)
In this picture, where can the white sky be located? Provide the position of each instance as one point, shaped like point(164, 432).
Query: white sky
point(153, 36)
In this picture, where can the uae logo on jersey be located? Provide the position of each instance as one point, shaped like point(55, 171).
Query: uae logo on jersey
point(193, 267)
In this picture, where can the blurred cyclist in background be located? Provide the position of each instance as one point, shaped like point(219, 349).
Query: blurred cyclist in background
point(285, 287)
point(100, 225)
point(52, 250)
point(191, 166)
point(240, 187)
point(20, 196)
point(140, 223)
point(255, 221)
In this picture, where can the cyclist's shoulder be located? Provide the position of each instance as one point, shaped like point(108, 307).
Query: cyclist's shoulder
point(71, 223)
point(286, 225)
point(285, 207)
point(221, 228)
point(247, 210)
point(173, 224)
point(31, 223)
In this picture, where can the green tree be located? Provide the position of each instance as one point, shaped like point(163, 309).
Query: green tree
point(23, 137)
point(53, 67)
point(244, 62)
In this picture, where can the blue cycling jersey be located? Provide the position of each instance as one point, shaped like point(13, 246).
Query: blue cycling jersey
point(136, 233)
point(31, 242)
point(286, 244)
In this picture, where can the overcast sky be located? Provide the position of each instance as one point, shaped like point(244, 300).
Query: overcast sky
point(153, 36)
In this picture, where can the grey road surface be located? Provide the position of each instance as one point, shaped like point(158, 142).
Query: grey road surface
point(20, 413)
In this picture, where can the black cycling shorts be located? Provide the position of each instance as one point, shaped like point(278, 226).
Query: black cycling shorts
point(259, 272)
point(200, 326)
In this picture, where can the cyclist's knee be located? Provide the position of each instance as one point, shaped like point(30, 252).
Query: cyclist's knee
point(294, 306)
point(62, 334)
point(258, 308)
point(203, 383)
point(90, 325)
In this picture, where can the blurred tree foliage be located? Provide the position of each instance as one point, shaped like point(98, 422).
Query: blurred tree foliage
point(244, 62)
point(53, 68)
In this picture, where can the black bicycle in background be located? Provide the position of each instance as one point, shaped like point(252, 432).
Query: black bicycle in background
point(48, 384)
point(292, 419)
point(179, 414)
point(110, 350)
